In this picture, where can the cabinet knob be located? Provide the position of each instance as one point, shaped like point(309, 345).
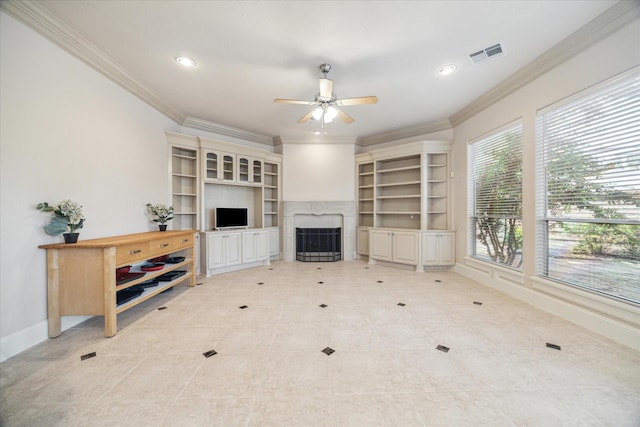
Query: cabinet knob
point(185, 240)
point(164, 245)
point(137, 251)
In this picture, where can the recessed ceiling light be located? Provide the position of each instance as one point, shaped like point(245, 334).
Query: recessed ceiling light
point(447, 69)
point(186, 62)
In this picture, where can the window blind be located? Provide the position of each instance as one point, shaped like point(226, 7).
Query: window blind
point(588, 198)
point(592, 155)
point(497, 175)
point(495, 197)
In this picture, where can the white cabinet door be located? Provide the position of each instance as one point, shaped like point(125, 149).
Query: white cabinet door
point(223, 250)
point(218, 166)
point(211, 164)
point(380, 245)
point(438, 249)
point(233, 247)
point(262, 245)
point(405, 247)
point(398, 246)
point(447, 249)
point(363, 240)
point(255, 246)
point(274, 242)
point(215, 251)
point(227, 167)
point(249, 170)
point(248, 246)
point(256, 171)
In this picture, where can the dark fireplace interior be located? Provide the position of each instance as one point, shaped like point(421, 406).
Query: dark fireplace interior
point(318, 244)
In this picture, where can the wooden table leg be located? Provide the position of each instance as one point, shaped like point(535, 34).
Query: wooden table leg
point(53, 294)
point(109, 281)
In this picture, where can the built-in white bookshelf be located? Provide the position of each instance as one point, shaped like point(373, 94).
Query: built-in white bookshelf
point(270, 194)
point(398, 192)
point(184, 188)
point(437, 191)
point(366, 194)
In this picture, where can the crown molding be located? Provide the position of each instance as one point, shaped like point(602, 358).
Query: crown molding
point(196, 123)
point(619, 15)
point(402, 134)
point(39, 19)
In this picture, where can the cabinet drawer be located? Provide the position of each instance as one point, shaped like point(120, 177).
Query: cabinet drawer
point(184, 241)
point(131, 253)
point(170, 244)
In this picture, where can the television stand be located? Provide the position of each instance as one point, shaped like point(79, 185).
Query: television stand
point(233, 249)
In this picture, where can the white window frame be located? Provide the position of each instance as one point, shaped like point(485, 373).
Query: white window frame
point(493, 136)
point(543, 218)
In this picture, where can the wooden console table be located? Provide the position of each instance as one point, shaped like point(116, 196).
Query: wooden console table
point(81, 277)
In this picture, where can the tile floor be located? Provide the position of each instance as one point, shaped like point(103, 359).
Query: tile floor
point(270, 370)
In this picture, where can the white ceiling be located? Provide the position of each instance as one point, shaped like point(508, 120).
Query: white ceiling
point(250, 52)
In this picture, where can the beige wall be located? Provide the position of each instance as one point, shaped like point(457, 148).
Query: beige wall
point(617, 53)
point(318, 172)
point(66, 132)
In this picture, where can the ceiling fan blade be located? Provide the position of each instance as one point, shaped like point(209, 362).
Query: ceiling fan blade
point(305, 118)
point(293, 101)
point(326, 88)
point(345, 117)
point(357, 101)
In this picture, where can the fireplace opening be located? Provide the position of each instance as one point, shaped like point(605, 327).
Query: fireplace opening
point(318, 244)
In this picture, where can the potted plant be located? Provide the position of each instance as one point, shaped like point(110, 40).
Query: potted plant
point(66, 218)
point(161, 214)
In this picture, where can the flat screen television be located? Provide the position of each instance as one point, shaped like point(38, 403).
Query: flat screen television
point(231, 218)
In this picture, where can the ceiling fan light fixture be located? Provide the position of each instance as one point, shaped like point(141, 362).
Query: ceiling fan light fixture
point(317, 113)
point(326, 101)
point(185, 61)
point(447, 69)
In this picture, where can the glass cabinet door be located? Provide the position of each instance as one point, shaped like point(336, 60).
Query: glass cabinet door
point(227, 167)
point(257, 171)
point(243, 169)
point(211, 166)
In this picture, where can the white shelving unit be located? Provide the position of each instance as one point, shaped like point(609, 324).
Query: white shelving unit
point(184, 181)
point(271, 197)
point(184, 188)
point(404, 205)
point(398, 189)
point(366, 194)
point(437, 191)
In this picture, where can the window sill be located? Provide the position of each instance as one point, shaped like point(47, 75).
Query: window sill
point(625, 311)
point(493, 270)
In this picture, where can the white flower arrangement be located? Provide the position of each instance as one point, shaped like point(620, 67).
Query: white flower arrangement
point(67, 217)
point(161, 212)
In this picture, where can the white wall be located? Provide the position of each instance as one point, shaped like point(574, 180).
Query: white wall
point(318, 172)
point(66, 132)
point(611, 56)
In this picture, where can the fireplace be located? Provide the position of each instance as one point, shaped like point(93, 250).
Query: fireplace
point(318, 244)
point(332, 214)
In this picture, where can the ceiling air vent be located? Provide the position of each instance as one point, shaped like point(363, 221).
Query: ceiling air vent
point(486, 54)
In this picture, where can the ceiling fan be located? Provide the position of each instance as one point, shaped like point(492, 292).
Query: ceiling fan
point(326, 102)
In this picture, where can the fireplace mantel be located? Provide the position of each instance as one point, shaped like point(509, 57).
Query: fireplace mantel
point(345, 209)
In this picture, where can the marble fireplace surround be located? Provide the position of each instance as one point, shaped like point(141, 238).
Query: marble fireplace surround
point(347, 210)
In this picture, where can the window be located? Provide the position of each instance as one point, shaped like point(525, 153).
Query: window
point(589, 189)
point(495, 198)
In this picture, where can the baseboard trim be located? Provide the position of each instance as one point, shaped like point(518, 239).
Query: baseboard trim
point(596, 321)
point(26, 338)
